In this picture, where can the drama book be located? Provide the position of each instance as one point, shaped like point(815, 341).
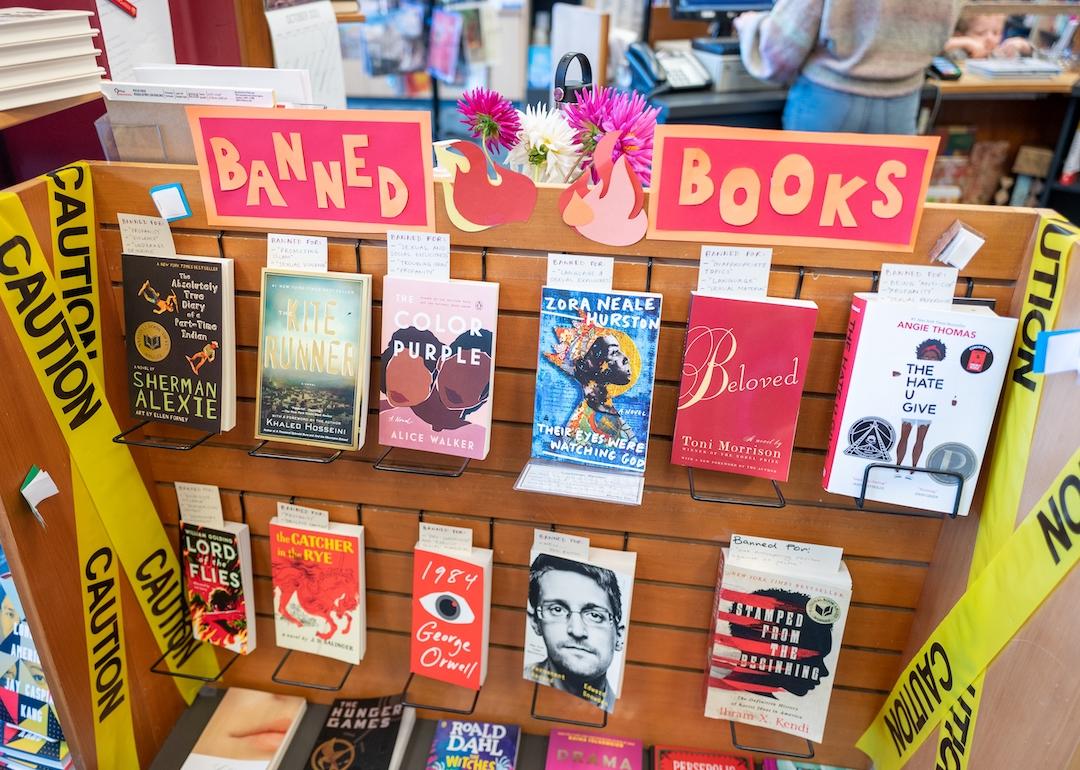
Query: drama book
point(451, 615)
point(572, 750)
point(438, 365)
point(220, 589)
point(460, 745)
point(594, 377)
point(319, 591)
point(364, 734)
point(578, 622)
point(314, 358)
point(249, 730)
point(918, 388)
point(779, 613)
point(674, 758)
point(181, 340)
point(743, 373)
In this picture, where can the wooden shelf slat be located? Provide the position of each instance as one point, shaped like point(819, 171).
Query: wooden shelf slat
point(19, 115)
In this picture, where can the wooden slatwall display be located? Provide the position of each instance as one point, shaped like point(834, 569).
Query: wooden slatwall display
point(678, 540)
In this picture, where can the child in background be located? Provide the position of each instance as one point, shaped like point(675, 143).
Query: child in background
point(980, 37)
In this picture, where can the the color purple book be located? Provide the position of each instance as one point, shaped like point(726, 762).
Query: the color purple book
point(438, 365)
point(570, 750)
point(460, 745)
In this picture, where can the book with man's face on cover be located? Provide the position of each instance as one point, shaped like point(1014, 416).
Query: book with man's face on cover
point(578, 621)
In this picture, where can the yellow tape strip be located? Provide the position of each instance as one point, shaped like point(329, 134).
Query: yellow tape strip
point(75, 394)
point(1015, 582)
point(1054, 243)
point(73, 230)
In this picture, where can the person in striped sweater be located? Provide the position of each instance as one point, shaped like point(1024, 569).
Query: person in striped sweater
point(852, 65)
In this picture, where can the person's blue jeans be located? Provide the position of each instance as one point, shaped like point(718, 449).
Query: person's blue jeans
point(813, 107)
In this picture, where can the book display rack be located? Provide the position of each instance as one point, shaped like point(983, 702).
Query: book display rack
point(676, 531)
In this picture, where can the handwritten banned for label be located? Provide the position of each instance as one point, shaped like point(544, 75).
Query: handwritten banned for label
point(734, 272)
point(296, 252)
point(418, 255)
point(917, 284)
point(740, 185)
point(356, 171)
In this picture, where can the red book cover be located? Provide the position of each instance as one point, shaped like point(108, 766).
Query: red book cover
point(672, 758)
point(744, 367)
point(450, 607)
point(217, 566)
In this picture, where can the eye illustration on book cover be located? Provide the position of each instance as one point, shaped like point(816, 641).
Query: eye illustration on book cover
point(576, 630)
point(438, 364)
point(594, 377)
point(449, 605)
point(215, 590)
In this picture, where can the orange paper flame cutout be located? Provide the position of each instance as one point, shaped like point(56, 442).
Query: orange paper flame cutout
point(611, 212)
point(475, 201)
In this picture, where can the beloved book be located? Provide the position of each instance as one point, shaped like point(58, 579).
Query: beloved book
point(438, 365)
point(314, 358)
point(319, 591)
point(460, 745)
point(578, 621)
point(571, 750)
point(181, 340)
point(779, 611)
point(675, 758)
point(219, 586)
point(364, 734)
point(918, 388)
point(451, 615)
point(743, 372)
point(594, 377)
point(249, 730)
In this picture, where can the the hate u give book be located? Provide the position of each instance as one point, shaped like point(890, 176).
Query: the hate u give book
point(918, 389)
point(743, 372)
point(438, 365)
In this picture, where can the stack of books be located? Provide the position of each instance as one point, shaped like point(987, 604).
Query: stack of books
point(1000, 69)
point(45, 56)
point(32, 738)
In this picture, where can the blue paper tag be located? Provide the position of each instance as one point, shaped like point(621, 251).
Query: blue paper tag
point(1044, 342)
point(171, 201)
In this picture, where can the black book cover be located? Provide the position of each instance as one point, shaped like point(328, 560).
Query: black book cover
point(358, 734)
point(173, 319)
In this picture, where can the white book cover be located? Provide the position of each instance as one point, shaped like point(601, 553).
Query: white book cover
point(578, 622)
point(249, 730)
point(319, 589)
point(779, 616)
point(50, 90)
point(49, 48)
point(26, 24)
point(19, 75)
point(918, 388)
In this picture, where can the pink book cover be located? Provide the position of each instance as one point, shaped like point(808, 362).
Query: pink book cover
point(438, 365)
point(570, 750)
point(744, 368)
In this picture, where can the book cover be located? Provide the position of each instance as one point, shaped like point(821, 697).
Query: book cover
point(249, 730)
point(451, 608)
point(363, 734)
point(674, 758)
point(32, 750)
point(795, 764)
point(460, 745)
point(218, 583)
point(578, 621)
point(181, 353)
point(438, 365)
point(775, 644)
point(918, 388)
point(318, 578)
point(314, 348)
point(444, 47)
point(572, 750)
point(594, 377)
point(743, 373)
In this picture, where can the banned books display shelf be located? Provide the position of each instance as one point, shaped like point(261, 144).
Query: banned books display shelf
point(676, 537)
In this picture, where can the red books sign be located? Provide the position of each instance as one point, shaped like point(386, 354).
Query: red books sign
point(341, 170)
point(743, 373)
point(736, 185)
